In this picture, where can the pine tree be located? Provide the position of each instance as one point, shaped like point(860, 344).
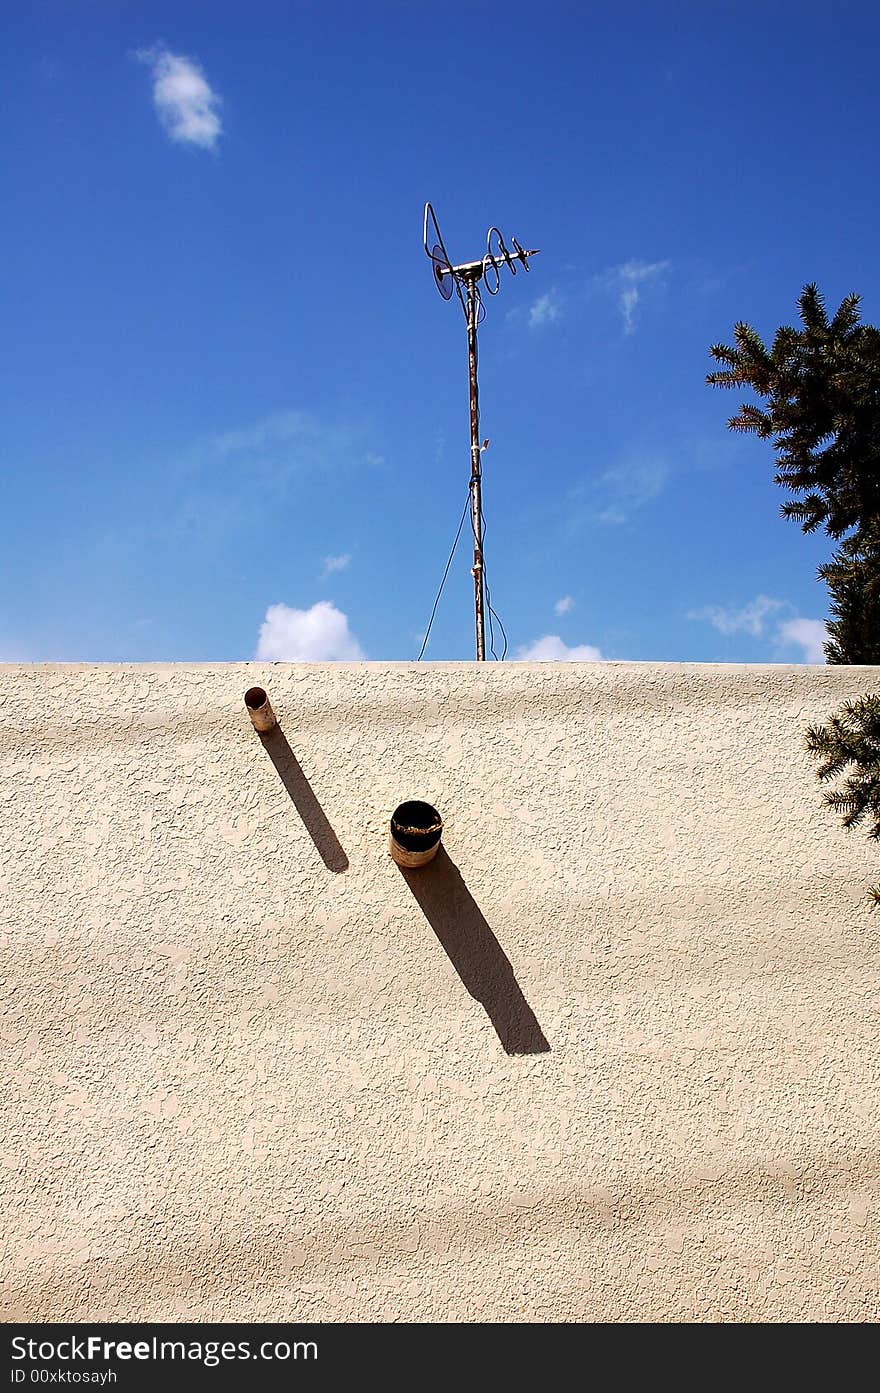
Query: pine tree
point(853, 579)
point(852, 738)
point(822, 388)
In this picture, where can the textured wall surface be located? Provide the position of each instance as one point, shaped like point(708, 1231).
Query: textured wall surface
point(613, 1055)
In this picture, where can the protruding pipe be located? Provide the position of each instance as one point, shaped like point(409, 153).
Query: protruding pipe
point(416, 829)
point(259, 709)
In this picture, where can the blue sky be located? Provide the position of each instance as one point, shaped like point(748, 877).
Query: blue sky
point(235, 409)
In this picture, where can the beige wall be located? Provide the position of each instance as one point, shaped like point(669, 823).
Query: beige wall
point(248, 1084)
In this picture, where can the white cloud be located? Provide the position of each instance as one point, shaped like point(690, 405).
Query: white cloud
point(611, 516)
point(565, 605)
point(332, 564)
point(185, 102)
point(545, 310)
point(750, 619)
point(289, 437)
point(626, 283)
point(611, 498)
point(317, 635)
point(552, 649)
point(809, 634)
point(635, 483)
point(232, 481)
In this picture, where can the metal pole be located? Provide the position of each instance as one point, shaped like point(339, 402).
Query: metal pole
point(476, 473)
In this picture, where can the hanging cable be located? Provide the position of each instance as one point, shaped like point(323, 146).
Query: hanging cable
point(492, 614)
point(489, 610)
point(445, 574)
point(478, 546)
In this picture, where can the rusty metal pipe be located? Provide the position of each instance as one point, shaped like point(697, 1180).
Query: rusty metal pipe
point(260, 710)
point(416, 829)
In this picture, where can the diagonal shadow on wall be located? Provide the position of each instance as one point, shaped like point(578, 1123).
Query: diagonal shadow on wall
point(475, 952)
point(314, 818)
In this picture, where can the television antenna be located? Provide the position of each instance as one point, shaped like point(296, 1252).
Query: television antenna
point(464, 281)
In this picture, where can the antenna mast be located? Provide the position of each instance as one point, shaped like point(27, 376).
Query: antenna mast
point(465, 280)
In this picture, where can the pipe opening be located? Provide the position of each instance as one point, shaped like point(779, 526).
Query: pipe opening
point(254, 698)
point(259, 708)
point(416, 829)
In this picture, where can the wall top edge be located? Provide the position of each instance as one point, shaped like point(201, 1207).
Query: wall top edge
point(254, 665)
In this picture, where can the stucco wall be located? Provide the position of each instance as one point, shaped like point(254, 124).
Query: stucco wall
point(248, 1083)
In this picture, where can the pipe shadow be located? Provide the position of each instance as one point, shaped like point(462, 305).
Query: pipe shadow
point(313, 816)
point(475, 952)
